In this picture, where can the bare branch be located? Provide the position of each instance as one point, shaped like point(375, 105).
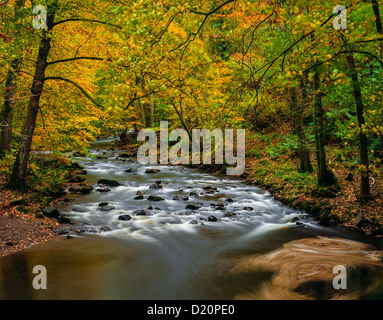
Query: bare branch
point(140, 97)
point(214, 10)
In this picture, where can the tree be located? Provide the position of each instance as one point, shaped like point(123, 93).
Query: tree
point(325, 175)
point(19, 172)
point(303, 150)
point(6, 116)
point(363, 144)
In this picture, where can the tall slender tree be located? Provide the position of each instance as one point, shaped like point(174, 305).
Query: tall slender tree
point(19, 173)
point(6, 116)
point(325, 176)
point(297, 111)
point(363, 143)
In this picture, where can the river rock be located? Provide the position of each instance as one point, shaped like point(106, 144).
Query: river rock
point(155, 198)
point(248, 208)
point(109, 183)
point(51, 213)
point(140, 212)
point(125, 217)
point(103, 204)
point(207, 187)
point(131, 170)
point(151, 170)
point(107, 208)
point(63, 220)
point(219, 206)
point(229, 214)
point(86, 189)
point(192, 207)
point(60, 231)
point(156, 185)
point(139, 197)
point(212, 219)
point(103, 190)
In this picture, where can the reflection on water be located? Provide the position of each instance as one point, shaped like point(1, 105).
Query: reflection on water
point(303, 269)
point(252, 249)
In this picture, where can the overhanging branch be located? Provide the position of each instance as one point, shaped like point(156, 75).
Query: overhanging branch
point(86, 94)
point(86, 20)
point(77, 58)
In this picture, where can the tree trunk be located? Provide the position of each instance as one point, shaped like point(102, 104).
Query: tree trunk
point(19, 173)
point(363, 144)
point(378, 20)
point(6, 117)
point(297, 111)
point(325, 176)
point(7, 112)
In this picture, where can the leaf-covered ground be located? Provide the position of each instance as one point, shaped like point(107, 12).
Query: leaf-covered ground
point(19, 230)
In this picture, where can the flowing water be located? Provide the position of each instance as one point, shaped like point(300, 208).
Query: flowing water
point(238, 244)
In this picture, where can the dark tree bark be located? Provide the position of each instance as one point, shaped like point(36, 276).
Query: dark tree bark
point(19, 173)
point(7, 112)
point(297, 111)
point(379, 29)
point(6, 116)
point(363, 144)
point(325, 176)
point(378, 20)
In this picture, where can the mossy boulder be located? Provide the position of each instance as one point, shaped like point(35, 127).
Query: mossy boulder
point(109, 183)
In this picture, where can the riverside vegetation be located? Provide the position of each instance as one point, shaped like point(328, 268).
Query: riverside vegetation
point(308, 95)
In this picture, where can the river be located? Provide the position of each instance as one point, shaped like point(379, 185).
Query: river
point(239, 243)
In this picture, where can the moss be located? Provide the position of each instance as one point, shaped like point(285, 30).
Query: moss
point(22, 209)
point(77, 179)
point(19, 202)
point(38, 198)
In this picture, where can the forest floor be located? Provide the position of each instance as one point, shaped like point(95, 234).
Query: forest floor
point(270, 167)
point(19, 228)
point(22, 222)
